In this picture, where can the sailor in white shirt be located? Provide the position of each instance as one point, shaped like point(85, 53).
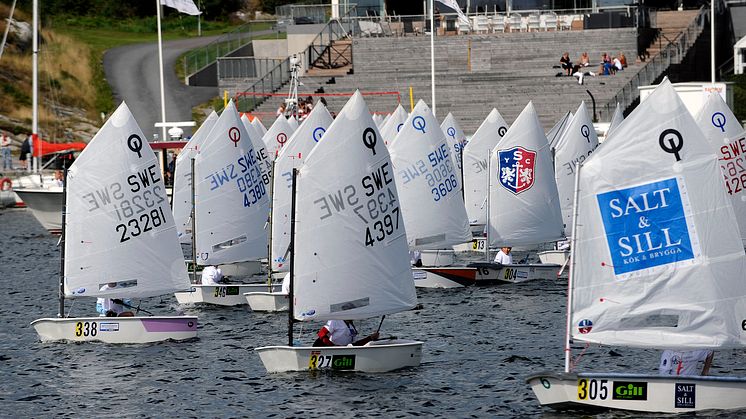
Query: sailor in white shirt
point(503, 256)
point(211, 275)
point(286, 284)
point(685, 362)
point(341, 333)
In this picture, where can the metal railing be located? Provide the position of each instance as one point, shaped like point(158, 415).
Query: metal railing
point(279, 75)
point(245, 67)
point(199, 58)
point(673, 53)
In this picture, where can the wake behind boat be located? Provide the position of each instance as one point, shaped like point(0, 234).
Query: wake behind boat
point(119, 240)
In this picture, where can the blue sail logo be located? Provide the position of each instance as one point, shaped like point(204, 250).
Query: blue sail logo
point(646, 226)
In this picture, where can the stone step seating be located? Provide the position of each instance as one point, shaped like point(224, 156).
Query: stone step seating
point(502, 75)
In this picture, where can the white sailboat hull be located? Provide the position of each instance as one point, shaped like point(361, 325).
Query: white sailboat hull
point(222, 294)
point(378, 356)
point(267, 301)
point(437, 257)
point(482, 274)
point(247, 268)
point(45, 205)
point(476, 245)
point(554, 256)
point(117, 329)
point(641, 393)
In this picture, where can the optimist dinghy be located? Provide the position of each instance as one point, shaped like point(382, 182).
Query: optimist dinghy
point(118, 229)
point(349, 249)
point(523, 208)
point(290, 156)
point(231, 205)
point(657, 262)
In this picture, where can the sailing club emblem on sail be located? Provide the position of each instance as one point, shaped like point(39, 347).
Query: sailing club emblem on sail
point(585, 326)
point(648, 226)
point(516, 169)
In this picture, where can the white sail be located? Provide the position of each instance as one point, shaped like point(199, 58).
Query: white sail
point(231, 203)
point(578, 141)
point(393, 124)
point(474, 157)
point(277, 136)
point(554, 134)
point(351, 256)
point(182, 193)
point(303, 140)
point(378, 119)
point(523, 200)
point(427, 180)
point(728, 140)
point(659, 261)
point(385, 121)
point(119, 227)
point(257, 123)
point(456, 141)
point(616, 120)
point(293, 122)
point(260, 150)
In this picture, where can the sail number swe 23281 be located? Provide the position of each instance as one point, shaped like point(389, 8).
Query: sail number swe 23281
point(138, 205)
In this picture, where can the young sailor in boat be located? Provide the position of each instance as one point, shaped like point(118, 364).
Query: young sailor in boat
point(503, 256)
point(212, 275)
point(341, 333)
point(113, 307)
point(685, 362)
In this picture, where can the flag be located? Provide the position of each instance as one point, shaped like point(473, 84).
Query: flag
point(451, 4)
point(184, 6)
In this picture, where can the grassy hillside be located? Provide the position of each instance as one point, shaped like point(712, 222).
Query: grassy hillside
point(73, 91)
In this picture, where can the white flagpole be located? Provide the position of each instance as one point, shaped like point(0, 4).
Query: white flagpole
point(160, 69)
point(432, 56)
point(35, 140)
point(712, 40)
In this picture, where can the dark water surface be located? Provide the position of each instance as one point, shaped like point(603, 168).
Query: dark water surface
point(480, 344)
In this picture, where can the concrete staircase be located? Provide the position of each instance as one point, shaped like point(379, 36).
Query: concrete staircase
point(475, 73)
point(670, 25)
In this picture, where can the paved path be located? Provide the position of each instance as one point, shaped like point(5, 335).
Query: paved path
point(132, 72)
